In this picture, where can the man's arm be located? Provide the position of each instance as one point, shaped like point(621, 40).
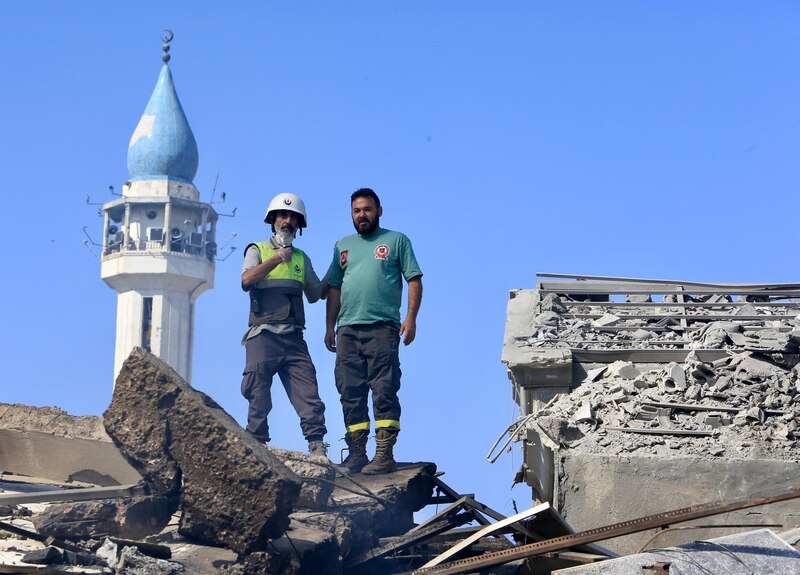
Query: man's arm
point(256, 273)
point(409, 326)
point(325, 284)
point(313, 287)
point(332, 308)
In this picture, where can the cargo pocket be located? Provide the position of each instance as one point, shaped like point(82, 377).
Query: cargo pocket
point(249, 381)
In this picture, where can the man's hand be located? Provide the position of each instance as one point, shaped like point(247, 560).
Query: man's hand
point(330, 340)
point(332, 308)
point(408, 329)
point(285, 254)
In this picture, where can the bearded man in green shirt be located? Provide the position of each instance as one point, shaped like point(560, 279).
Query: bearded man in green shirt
point(365, 288)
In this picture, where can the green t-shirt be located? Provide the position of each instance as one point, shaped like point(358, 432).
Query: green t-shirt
point(369, 270)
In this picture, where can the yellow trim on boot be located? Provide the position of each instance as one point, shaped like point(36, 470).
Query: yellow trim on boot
point(387, 424)
point(361, 427)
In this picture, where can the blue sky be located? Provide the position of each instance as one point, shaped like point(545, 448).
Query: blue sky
point(504, 138)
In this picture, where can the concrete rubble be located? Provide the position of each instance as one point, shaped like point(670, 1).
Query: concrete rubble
point(264, 510)
point(748, 401)
point(233, 491)
point(680, 394)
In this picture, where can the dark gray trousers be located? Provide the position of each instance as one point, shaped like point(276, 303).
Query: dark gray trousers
point(287, 355)
point(368, 359)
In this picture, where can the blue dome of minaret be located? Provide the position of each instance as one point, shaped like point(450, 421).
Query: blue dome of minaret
point(163, 146)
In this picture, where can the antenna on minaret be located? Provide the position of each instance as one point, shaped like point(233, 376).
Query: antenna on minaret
point(88, 237)
point(86, 245)
point(166, 38)
point(214, 190)
point(91, 203)
point(230, 250)
point(88, 242)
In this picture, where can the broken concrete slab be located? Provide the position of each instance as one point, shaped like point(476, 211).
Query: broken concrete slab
point(132, 562)
point(52, 421)
point(234, 491)
point(606, 320)
point(403, 492)
point(623, 370)
point(63, 458)
point(301, 551)
point(133, 518)
point(316, 473)
point(47, 556)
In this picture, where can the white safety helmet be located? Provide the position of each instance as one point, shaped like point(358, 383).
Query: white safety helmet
point(289, 202)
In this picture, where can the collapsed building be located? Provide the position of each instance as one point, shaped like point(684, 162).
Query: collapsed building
point(639, 396)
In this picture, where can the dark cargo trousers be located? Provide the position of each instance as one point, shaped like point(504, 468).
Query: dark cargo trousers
point(287, 355)
point(368, 359)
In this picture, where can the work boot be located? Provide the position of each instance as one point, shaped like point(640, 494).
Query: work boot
point(318, 448)
point(383, 462)
point(356, 451)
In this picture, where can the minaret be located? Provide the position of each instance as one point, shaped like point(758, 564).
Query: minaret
point(159, 238)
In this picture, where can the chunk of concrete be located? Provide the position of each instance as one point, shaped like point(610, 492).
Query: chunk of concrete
point(594, 374)
point(673, 378)
point(132, 562)
point(638, 298)
point(548, 318)
point(302, 551)
point(128, 518)
point(559, 430)
point(47, 556)
point(551, 302)
point(406, 490)
point(754, 369)
point(584, 413)
point(317, 475)
point(623, 370)
point(234, 492)
point(607, 319)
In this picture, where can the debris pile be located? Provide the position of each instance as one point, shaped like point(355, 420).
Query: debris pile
point(233, 492)
point(702, 322)
point(744, 405)
point(210, 487)
point(681, 391)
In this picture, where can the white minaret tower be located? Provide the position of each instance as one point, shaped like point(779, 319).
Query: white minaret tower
point(159, 239)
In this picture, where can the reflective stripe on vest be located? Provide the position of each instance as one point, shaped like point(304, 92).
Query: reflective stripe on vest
point(279, 295)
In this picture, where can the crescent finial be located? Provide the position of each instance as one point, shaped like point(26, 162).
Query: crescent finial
point(166, 38)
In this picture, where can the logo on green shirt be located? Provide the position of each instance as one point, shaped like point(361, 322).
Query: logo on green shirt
point(381, 252)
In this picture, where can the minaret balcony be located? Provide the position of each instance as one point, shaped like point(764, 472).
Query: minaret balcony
point(138, 269)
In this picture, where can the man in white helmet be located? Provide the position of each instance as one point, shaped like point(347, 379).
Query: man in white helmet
point(276, 275)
